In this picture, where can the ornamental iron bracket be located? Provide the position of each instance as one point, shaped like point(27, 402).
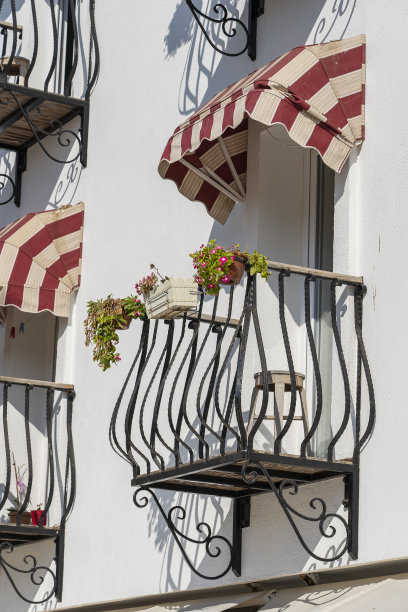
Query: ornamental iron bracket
point(215, 545)
point(329, 523)
point(36, 573)
point(230, 24)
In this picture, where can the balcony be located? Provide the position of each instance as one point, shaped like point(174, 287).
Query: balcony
point(264, 389)
point(45, 57)
point(35, 445)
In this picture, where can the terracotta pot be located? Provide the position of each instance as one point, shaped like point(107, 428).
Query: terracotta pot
point(25, 518)
point(125, 325)
point(36, 517)
point(235, 271)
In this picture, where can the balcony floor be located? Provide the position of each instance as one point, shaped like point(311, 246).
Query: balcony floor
point(221, 475)
point(41, 107)
point(25, 534)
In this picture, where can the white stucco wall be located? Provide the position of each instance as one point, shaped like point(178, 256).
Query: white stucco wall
point(155, 70)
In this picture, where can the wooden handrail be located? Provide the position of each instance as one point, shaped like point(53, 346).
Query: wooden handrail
point(344, 278)
point(36, 383)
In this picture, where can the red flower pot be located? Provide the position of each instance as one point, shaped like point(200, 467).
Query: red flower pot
point(36, 516)
point(235, 271)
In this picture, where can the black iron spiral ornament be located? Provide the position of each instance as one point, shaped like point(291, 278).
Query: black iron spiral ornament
point(5, 179)
point(214, 544)
point(228, 25)
point(37, 573)
point(322, 518)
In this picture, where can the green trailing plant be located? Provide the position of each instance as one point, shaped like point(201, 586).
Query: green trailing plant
point(105, 318)
point(212, 263)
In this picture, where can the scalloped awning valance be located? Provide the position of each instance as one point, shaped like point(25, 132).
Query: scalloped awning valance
point(317, 92)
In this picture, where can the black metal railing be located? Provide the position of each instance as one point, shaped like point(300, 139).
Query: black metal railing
point(48, 32)
point(32, 407)
point(37, 466)
point(189, 395)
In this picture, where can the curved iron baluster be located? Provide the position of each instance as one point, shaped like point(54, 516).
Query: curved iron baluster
point(50, 405)
point(203, 415)
point(6, 445)
point(327, 532)
point(285, 335)
point(208, 541)
point(113, 438)
point(225, 420)
point(347, 392)
point(55, 48)
point(175, 451)
point(138, 381)
point(35, 45)
point(14, 43)
point(262, 357)
point(248, 309)
point(92, 43)
point(154, 431)
point(224, 21)
point(192, 350)
point(214, 364)
point(70, 471)
point(359, 293)
point(27, 496)
point(35, 572)
point(130, 447)
point(316, 369)
point(200, 435)
point(68, 80)
point(13, 185)
point(165, 372)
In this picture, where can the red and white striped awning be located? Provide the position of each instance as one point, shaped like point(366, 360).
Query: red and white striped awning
point(40, 260)
point(316, 92)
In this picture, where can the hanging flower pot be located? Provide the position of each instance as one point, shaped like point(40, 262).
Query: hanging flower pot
point(171, 298)
point(216, 266)
point(25, 517)
point(36, 517)
point(235, 271)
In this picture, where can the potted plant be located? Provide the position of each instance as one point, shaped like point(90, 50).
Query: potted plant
point(105, 318)
point(38, 517)
point(18, 501)
point(166, 298)
point(217, 266)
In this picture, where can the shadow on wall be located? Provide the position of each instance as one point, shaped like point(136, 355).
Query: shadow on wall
point(270, 541)
point(282, 26)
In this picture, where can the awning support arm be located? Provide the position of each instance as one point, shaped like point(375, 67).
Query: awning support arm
point(231, 166)
point(218, 184)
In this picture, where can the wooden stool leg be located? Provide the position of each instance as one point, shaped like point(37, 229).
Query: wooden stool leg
point(254, 397)
point(279, 405)
point(305, 417)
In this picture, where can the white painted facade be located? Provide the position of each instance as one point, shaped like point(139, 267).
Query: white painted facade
point(156, 69)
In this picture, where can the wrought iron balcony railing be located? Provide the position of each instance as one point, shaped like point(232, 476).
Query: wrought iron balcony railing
point(46, 57)
point(255, 393)
point(36, 449)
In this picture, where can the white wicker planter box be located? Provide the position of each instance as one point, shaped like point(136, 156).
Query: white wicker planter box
point(171, 298)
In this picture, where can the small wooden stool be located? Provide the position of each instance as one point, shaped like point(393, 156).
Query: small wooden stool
point(279, 384)
point(18, 67)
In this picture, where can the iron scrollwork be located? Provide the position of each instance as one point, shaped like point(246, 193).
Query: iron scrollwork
point(4, 179)
point(36, 573)
point(229, 25)
point(322, 518)
point(213, 544)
